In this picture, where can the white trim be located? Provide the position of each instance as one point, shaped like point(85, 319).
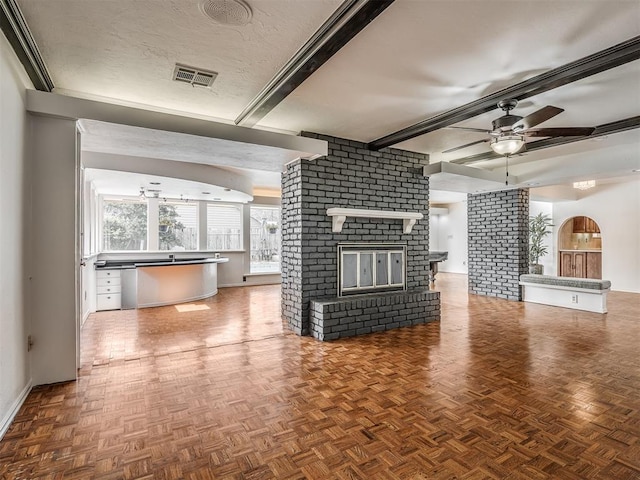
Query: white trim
point(339, 215)
point(15, 408)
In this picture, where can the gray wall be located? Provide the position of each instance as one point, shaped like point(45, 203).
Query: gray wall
point(54, 251)
point(350, 176)
point(15, 367)
point(498, 230)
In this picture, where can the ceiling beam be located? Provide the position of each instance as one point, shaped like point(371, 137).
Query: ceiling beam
point(600, 131)
point(14, 27)
point(598, 62)
point(345, 23)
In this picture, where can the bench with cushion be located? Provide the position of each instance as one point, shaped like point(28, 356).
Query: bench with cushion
point(578, 293)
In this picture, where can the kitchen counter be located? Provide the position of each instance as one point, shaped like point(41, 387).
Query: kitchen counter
point(119, 264)
point(142, 283)
point(579, 250)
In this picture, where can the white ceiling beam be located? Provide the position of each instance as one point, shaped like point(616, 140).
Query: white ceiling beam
point(44, 103)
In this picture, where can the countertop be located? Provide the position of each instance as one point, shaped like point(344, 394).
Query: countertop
point(123, 264)
point(579, 250)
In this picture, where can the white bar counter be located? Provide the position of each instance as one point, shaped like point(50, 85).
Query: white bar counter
point(177, 282)
point(170, 282)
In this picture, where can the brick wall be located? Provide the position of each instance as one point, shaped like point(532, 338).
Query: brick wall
point(291, 252)
point(498, 231)
point(348, 316)
point(349, 176)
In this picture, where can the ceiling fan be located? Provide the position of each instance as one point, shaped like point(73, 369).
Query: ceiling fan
point(509, 131)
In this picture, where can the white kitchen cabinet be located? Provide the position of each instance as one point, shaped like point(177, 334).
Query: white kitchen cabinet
point(109, 293)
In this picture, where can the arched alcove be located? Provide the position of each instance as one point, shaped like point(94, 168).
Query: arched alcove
point(580, 248)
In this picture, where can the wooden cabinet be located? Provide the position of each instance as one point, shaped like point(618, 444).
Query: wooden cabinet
point(585, 225)
point(108, 287)
point(594, 265)
point(581, 264)
point(572, 264)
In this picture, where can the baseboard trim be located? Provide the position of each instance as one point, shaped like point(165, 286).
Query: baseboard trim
point(15, 408)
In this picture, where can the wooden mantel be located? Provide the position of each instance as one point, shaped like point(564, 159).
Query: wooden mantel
point(339, 215)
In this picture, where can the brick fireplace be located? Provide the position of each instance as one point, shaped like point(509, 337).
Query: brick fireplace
point(351, 177)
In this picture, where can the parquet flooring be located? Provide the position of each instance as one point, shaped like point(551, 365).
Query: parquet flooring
point(496, 390)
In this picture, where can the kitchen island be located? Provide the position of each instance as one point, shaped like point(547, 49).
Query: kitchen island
point(153, 283)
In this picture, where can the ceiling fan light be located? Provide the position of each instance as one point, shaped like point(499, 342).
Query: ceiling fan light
point(507, 144)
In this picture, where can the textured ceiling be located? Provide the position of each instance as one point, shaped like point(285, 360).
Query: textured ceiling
point(417, 59)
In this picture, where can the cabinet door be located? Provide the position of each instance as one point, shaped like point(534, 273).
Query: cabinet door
point(566, 264)
point(580, 265)
point(594, 265)
point(579, 224)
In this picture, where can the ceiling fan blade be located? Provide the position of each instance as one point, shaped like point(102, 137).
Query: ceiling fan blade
point(469, 129)
point(559, 132)
point(537, 117)
point(466, 145)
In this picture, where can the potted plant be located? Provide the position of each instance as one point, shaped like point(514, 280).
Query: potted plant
point(271, 226)
point(539, 228)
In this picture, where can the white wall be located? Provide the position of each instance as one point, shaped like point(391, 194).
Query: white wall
point(448, 233)
point(15, 376)
point(549, 261)
point(54, 251)
point(616, 209)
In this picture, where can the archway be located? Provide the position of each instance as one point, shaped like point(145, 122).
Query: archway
point(580, 248)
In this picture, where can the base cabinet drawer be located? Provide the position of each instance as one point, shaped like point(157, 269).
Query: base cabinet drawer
point(108, 290)
point(101, 282)
point(102, 289)
point(108, 301)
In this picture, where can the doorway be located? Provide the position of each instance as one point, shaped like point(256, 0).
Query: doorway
point(580, 248)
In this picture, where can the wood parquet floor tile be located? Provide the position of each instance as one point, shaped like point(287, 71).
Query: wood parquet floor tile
point(496, 390)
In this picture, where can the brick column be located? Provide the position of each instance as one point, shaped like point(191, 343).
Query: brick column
point(498, 232)
point(291, 253)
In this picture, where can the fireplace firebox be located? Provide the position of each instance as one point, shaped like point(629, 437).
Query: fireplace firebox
point(371, 268)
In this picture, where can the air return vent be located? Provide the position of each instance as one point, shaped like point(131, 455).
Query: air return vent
point(193, 76)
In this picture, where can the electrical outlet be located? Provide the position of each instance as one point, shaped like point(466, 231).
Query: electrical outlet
point(574, 298)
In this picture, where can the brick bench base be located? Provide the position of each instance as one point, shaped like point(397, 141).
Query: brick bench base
point(361, 314)
point(577, 293)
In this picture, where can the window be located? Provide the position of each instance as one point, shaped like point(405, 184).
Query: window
point(178, 226)
point(224, 227)
point(124, 225)
point(265, 239)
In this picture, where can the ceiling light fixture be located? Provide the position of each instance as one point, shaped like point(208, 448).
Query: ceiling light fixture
point(585, 185)
point(507, 144)
point(149, 193)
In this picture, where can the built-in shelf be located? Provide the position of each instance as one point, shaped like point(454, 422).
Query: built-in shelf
point(339, 215)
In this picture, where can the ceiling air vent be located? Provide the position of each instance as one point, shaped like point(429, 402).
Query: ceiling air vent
point(193, 76)
point(227, 12)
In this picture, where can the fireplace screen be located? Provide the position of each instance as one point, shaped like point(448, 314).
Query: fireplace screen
point(367, 268)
